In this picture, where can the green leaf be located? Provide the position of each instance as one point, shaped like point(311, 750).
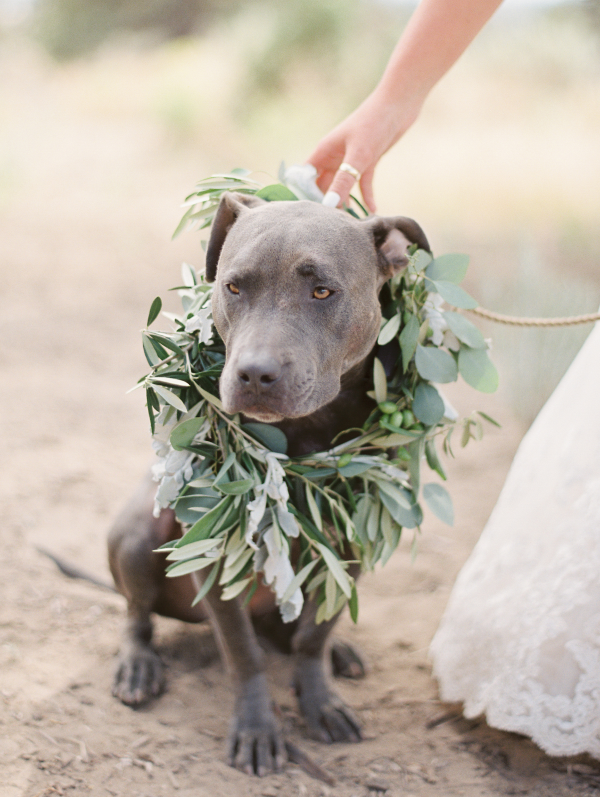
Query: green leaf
point(389, 330)
point(464, 330)
point(453, 294)
point(165, 340)
point(435, 364)
point(233, 590)
point(428, 405)
point(354, 469)
point(203, 527)
point(151, 355)
point(170, 397)
point(448, 268)
point(477, 369)
point(276, 193)
point(272, 437)
point(335, 566)
point(353, 604)
point(439, 501)
point(210, 580)
point(401, 497)
point(298, 580)
point(409, 338)
point(193, 549)
point(240, 487)
point(216, 402)
point(314, 509)
point(489, 419)
point(380, 381)
point(187, 567)
point(155, 309)
point(432, 458)
point(168, 380)
point(403, 517)
point(184, 433)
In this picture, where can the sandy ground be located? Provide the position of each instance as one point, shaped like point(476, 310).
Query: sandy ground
point(83, 250)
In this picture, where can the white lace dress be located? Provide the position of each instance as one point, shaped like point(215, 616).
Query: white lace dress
point(520, 638)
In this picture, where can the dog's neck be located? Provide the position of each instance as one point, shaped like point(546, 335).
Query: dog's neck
point(348, 410)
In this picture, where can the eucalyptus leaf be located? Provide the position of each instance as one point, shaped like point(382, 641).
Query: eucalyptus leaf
point(477, 369)
point(435, 364)
point(409, 338)
point(270, 436)
point(464, 330)
point(449, 268)
point(439, 501)
point(453, 294)
point(428, 405)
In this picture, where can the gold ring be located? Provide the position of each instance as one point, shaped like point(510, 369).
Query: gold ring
point(345, 167)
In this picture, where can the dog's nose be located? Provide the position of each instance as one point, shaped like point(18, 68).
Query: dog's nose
point(258, 371)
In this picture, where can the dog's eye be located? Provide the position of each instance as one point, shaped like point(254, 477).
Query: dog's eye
point(232, 288)
point(321, 293)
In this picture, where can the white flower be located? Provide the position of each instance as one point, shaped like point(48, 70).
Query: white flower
point(173, 468)
point(279, 574)
point(172, 471)
point(301, 180)
point(437, 322)
point(201, 322)
point(275, 488)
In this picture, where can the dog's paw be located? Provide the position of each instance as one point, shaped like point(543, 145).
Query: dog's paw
point(256, 745)
point(327, 717)
point(345, 661)
point(139, 676)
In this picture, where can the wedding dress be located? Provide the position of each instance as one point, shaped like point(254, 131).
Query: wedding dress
point(520, 639)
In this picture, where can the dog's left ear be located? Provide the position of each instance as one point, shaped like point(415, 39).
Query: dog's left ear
point(391, 237)
point(230, 207)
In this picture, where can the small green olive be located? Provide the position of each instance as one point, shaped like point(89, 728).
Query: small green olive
point(408, 419)
point(387, 407)
point(396, 419)
point(344, 459)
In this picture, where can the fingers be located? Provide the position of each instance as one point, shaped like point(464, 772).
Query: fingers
point(338, 183)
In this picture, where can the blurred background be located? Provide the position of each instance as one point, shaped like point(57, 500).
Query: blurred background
point(111, 110)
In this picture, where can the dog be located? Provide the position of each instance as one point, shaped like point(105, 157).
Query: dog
point(296, 302)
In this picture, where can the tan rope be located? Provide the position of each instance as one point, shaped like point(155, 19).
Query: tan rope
point(535, 322)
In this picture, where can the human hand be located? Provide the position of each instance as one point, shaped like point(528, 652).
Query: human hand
point(359, 142)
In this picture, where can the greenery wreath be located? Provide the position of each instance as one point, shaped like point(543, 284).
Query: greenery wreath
point(241, 499)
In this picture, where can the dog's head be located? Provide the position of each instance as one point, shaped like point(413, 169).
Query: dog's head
point(296, 298)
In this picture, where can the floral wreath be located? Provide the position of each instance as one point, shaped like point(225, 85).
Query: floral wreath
point(241, 500)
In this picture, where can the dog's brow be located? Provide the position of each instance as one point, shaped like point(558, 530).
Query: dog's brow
point(309, 270)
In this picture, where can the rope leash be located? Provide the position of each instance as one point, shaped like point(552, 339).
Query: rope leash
point(535, 322)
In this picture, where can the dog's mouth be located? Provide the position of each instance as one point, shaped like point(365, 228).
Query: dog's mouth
point(262, 414)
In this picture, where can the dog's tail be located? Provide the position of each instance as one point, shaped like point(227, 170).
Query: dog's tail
point(74, 572)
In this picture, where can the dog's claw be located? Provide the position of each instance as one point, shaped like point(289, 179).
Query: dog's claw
point(256, 745)
point(328, 719)
point(345, 661)
point(139, 676)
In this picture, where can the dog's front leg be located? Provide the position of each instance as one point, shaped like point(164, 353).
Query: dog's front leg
point(255, 742)
point(327, 717)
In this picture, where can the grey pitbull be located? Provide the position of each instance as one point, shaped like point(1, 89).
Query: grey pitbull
point(296, 303)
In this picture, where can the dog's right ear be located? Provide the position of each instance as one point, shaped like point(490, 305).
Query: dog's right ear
point(230, 207)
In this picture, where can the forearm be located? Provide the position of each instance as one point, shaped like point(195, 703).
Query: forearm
point(437, 34)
